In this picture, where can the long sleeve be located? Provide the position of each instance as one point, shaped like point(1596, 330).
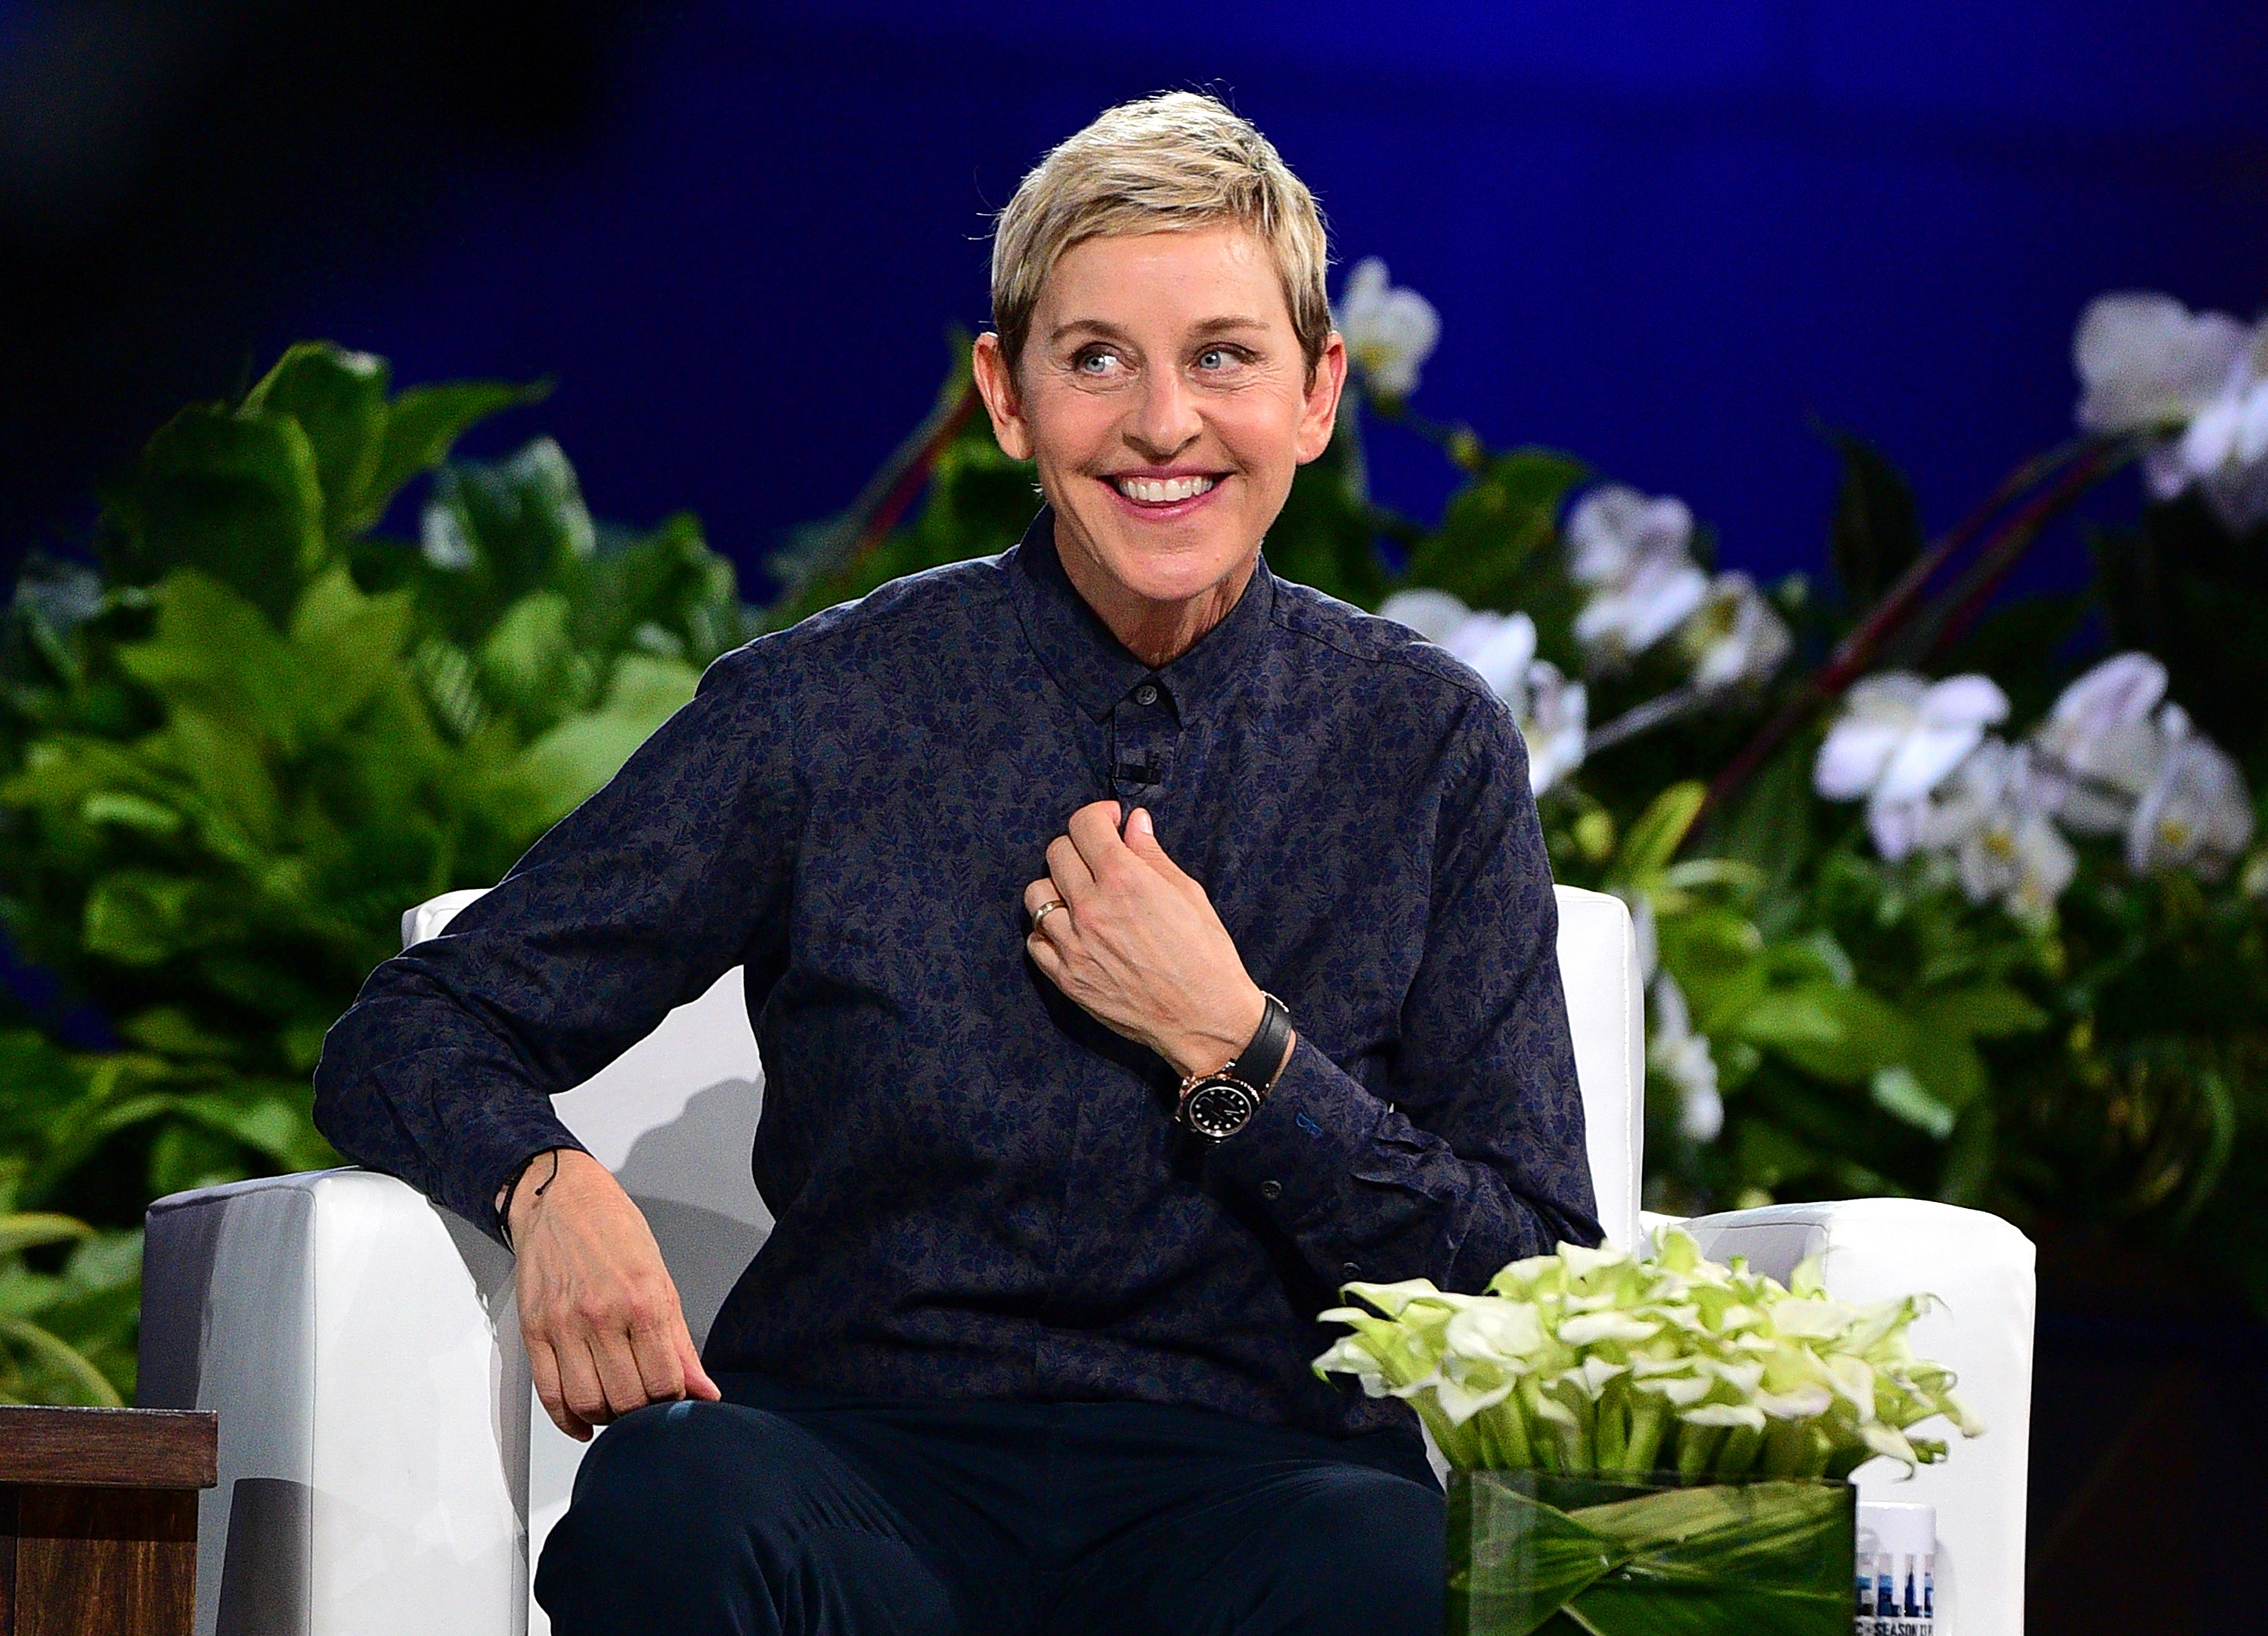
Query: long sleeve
point(1474, 1156)
point(442, 1071)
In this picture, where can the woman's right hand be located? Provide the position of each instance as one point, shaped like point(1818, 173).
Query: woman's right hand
point(606, 1333)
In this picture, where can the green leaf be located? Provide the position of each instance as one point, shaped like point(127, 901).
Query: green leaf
point(517, 522)
point(1898, 1093)
point(1840, 1033)
point(556, 774)
point(1990, 1011)
point(1877, 532)
point(141, 917)
point(1493, 528)
point(347, 646)
point(1653, 840)
point(278, 1123)
point(235, 496)
point(24, 1229)
point(421, 426)
point(84, 1383)
point(338, 398)
point(212, 649)
point(531, 666)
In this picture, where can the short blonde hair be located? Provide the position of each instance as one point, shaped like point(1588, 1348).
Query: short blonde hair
point(1168, 162)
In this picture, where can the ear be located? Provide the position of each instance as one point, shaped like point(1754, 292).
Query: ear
point(996, 383)
point(1319, 414)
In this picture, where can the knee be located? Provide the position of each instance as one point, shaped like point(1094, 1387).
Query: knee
point(694, 1474)
point(1357, 1527)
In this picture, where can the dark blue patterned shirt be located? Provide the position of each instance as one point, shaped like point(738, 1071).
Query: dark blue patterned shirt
point(980, 1190)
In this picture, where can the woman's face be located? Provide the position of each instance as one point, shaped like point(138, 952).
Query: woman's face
point(1163, 397)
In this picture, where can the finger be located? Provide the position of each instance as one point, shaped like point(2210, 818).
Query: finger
point(1039, 894)
point(1142, 841)
point(579, 1383)
point(618, 1372)
point(654, 1351)
point(1075, 881)
point(1093, 830)
point(1046, 956)
point(698, 1384)
point(543, 1364)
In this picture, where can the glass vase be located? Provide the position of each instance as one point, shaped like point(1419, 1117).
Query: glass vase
point(1600, 1554)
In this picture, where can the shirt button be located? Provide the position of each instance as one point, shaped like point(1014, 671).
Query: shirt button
point(1145, 694)
point(1271, 1190)
point(1349, 1269)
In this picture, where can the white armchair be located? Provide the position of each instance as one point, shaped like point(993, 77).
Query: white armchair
point(383, 1468)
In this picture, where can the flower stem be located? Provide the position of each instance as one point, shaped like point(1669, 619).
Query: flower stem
point(1739, 1452)
point(1696, 1447)
point(1649, 1417)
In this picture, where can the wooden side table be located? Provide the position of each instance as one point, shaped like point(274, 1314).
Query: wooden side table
point(98, 1519)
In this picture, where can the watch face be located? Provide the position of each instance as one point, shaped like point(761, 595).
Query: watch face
point(1220, 1107)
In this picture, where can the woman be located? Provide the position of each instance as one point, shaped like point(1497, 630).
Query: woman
point(1139, 945)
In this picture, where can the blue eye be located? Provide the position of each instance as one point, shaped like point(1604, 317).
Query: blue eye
point(1095, 363)
point(1212, 358)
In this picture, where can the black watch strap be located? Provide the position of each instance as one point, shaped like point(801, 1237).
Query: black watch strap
point(1258, 1067)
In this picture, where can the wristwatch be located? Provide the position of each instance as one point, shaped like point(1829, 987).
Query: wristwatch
point(1218, 1105)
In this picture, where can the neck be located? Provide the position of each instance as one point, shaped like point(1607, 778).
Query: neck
point(1157, 633)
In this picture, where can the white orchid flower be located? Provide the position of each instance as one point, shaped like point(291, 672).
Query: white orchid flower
point(1683, 1058)
point(2148, 363)
point(1613, 531)
point(1433, 614)
point(2198, 381)
point(1993, 815)
point(2226, 448)
point(1499, 647)
point(1736, 639)
point(2100, 739)
point(1555, 724)
point(1898, 737)
point(1625, 618)
point(2196, 814)
point(1389, 332)
point(1553, 712)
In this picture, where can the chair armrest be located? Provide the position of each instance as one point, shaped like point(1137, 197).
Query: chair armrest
point(361, 1347)
point(1981, 1269)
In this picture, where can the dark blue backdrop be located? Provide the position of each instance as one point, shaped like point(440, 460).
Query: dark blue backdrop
point(1664, 236)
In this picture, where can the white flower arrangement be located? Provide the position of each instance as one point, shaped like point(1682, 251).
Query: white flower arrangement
point(1596, 1361)
point(2112, 758)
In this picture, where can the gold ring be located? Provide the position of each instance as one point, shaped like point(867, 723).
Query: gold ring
point(1044, 911)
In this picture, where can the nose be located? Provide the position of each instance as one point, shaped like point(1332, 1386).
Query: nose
point(1165, 420)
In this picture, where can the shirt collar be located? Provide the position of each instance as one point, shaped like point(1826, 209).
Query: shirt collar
point(1089, 663)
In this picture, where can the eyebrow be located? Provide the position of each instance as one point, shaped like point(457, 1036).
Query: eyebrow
point(1226, 324)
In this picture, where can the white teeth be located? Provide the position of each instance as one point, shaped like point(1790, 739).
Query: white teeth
point(1161, 490)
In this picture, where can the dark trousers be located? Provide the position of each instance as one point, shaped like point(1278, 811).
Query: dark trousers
point(779, 1511)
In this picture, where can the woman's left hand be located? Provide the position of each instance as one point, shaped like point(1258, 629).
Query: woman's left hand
point(1137, 944)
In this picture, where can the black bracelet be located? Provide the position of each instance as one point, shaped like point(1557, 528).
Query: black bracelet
point(504, 1208)
point(1262, 1061)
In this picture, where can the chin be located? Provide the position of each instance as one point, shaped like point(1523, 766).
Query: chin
point(1160, 571)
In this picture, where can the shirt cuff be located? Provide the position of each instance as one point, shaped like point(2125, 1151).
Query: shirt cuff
point(1310, 1134)
point(494, 1152)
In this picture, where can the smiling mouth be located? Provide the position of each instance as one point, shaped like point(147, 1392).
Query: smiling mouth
point(1163, 491)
